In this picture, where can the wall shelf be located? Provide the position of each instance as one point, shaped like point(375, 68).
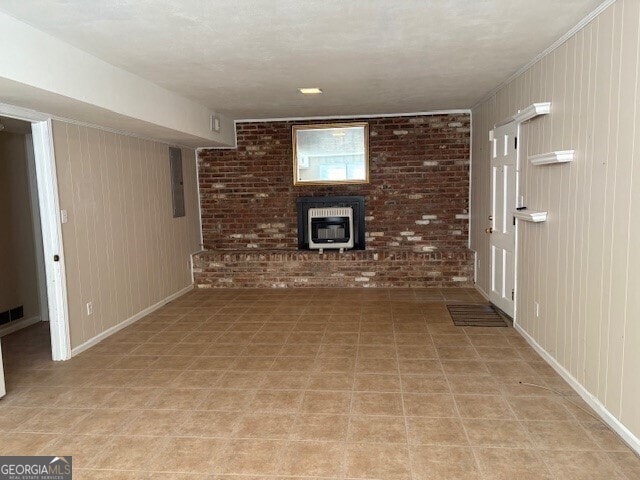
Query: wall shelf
point(534, 216)
point(532, 111)
point(560, 156)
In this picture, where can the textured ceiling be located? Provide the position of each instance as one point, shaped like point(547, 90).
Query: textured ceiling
point(247, 58)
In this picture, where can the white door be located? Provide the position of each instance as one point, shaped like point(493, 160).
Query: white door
point(502, 229)
point(3, 390)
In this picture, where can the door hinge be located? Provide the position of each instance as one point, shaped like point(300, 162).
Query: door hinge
point(515, 143)
point(514, 219)
point(513, 294)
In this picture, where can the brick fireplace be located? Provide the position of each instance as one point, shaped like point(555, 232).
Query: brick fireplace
point(416, 223)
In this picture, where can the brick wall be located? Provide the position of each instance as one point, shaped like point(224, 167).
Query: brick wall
point(356, 268)
point(416, 201)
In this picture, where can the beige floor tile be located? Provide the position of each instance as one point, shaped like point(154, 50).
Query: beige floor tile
point(26, 443)
point(457, 353)
point(178, 399)
point(260, 364)
point(539, 408)
point(83, 448)
point(420, 367)
point(377, 429)
point(285, 381)
point(105, 422)
point(377, 351)
point(83, 397)
point(373, 403)
point(53, 420)
point(435, 462)
point(483, 406)
point(281, 401)
point(208, 423)
point(135, 362)
point(156, 423)
point(436, 431)
point(194, 455)
point(331, 381)
point(489, 353)
point(129, 453)
point(604, 437)
point(377, 383)
point(450, 340)
point(378, 461)
point(496, 433)
point(321, 427)
point(377, 365)
point(35, 396)
point(474, 384)
point(229, 400)
point(426, 384)
point(330, 350)
point(464, 367)
point(417, 352)
point(581, 465)
point(129, 398)
point(192, 379)
point(235, 380)
point(560, 436)
point(509, 464)
point(313, 459)
point(417, 339)
point(628, 463)
point(12, 417)
point(265, 425)
point(251, 457)
point(263, 387)
point(326, 402)
point(88, 474)
point(335, 365)
point(429, 405)
point(293, 364)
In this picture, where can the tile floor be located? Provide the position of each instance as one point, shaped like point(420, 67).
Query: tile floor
point(362, 384)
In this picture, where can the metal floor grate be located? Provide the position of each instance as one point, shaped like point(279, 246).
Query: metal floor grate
point(476, 315)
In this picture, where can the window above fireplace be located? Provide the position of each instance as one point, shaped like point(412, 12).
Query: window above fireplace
point(330, 154)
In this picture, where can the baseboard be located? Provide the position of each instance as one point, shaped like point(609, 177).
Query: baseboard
point(18, 325)
point(110, 331)
point(482, 292)
point(629, 438)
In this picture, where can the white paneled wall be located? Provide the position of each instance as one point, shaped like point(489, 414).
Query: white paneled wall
point(124, 251)
point(583, 264)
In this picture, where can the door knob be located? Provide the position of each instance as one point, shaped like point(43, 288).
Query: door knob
point(489, 230)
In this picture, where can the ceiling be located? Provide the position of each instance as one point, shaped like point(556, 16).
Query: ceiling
point(246, 58)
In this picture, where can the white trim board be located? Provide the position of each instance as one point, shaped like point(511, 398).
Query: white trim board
point(482, 292)
point(18, 325)
point(28, 115)
point(466, 111)
point(627, 436)
point(576, 28)
point(346, 117)
point(53, 244)
point(125, 323)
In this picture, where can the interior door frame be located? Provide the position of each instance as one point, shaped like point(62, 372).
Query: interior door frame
point(517, 171)
point(51, 225)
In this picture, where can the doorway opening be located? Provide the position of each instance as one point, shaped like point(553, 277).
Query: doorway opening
point(33, 311)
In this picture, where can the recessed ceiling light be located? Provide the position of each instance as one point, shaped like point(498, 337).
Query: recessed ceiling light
point(310, 91)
